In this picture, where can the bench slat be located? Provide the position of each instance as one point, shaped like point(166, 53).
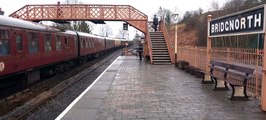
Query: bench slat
point(219, 69)
point(239, 74)
point(217, 63)
point(241, 69)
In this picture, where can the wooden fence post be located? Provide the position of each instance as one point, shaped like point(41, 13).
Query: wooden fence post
point(207, 67)
point(263, 81)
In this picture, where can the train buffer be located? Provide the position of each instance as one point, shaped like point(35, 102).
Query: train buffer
point(133, 89)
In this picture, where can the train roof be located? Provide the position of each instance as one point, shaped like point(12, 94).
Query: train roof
point(90, 35)
point(81, 34)
point(13, 22)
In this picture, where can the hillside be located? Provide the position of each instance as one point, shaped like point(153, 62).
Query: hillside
point(185, 36)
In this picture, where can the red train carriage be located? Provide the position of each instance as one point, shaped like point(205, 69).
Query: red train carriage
point(27, 47)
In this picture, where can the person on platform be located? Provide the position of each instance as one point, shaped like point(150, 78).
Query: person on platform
point(140, 50)
point(155, 23)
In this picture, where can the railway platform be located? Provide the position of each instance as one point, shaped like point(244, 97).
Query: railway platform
point(130, 89)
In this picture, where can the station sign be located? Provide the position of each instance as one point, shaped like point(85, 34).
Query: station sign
point(125, 26)
point(250, 21)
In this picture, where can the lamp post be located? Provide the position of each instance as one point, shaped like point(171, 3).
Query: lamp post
point(160, 13)
point(175, 19)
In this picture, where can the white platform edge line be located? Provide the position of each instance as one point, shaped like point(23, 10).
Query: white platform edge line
point(83, 93)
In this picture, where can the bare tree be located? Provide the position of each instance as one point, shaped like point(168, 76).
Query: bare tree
point(72, 2)
point(122, 33)
point(105, 30)
point(165, 14)
point(233, 6)
point(82, 26)
point(214, 6)
point(75, 25)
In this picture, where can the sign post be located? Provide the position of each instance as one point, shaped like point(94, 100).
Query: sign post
point(207, 78)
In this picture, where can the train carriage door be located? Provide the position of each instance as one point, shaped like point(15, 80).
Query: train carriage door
point(19, 43)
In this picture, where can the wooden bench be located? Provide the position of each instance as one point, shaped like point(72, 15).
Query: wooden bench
point(182, 64)
point(239, 87)
point(207, 76)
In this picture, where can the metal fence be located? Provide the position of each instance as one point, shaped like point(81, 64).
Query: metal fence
point(196, 56)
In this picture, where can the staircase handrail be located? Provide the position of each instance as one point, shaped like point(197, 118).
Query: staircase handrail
point(148, 38)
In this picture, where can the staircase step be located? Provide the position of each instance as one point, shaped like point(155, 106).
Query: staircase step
point(155, 40)
point(166, 53)
point(159, 41)
point(161, 58)
point(156, 33)
point(157, 36)
point(158, 45)
point(160, 51)
point(158, 48)
point(160, 55)
point(162, 63)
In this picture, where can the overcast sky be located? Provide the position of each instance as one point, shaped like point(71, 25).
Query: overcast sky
point(148, 7)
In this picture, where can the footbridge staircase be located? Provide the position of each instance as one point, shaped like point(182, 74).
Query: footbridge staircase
point(161, 49)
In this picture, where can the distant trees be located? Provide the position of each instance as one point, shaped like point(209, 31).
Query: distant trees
point(165, 15)
point(197, 20)
point(105, 30)
point(191, 18)
point(81, 26)
point(122, 33)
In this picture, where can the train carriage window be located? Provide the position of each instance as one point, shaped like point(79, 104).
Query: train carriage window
point(66, 42)
point(85, 43)
point(103, 42)
point(4, 43)
point(81, 43)
point(19, 43)
point(76, 42)
point(58, 43)
point(47, 43)
point(90, 43)
point(33, 43)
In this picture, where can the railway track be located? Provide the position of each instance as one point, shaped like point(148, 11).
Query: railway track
point(22, 104)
